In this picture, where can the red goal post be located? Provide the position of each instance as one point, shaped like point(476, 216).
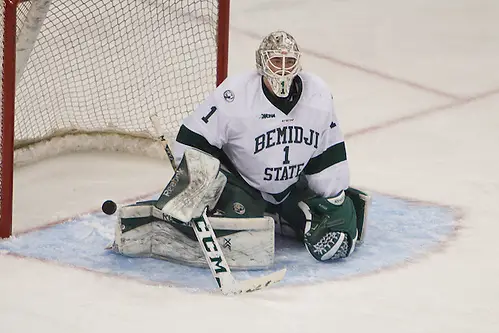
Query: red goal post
point(88, 74)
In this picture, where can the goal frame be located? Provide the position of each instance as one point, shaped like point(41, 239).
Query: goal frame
point(7, 140)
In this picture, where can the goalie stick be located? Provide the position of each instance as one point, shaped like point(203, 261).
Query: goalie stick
point(211, 248)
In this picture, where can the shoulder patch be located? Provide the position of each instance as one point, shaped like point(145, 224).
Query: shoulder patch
point(229, 95)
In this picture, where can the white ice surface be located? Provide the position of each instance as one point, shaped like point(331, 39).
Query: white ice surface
point(385, 60)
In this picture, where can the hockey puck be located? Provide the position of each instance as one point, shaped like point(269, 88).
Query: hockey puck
point(109, 207)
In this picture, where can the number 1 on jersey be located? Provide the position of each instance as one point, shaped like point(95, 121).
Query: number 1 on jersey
point(286, 155)
point(207, 117)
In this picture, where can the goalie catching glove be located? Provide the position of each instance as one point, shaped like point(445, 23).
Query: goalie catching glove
point(331, 227)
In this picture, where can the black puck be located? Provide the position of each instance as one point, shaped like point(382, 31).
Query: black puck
point(109, 207)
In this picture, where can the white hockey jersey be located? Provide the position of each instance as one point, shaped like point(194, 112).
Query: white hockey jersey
point(268, 148)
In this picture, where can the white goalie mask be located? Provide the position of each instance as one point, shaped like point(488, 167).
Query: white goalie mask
point(278, 60)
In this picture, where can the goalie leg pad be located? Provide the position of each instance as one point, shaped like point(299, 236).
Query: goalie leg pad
point(197, 183)
point(144, 231)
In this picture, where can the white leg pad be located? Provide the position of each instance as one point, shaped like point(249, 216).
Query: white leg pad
point(246, 243)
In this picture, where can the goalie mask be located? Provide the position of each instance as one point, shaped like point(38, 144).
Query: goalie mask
point(278, 60)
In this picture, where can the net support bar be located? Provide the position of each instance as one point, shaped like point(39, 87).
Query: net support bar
point(8, 82)
point(223, 40)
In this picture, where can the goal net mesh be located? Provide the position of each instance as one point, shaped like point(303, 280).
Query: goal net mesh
point(100, 69)
point(100, 66)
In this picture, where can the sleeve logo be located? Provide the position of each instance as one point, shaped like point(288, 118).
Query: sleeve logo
point(229, 96)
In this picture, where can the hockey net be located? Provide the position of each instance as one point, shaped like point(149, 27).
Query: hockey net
point(88, 74)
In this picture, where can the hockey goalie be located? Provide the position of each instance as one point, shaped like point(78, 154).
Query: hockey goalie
point(264, 153)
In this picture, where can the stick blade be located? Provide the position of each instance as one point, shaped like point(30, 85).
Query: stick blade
point(246, 286)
